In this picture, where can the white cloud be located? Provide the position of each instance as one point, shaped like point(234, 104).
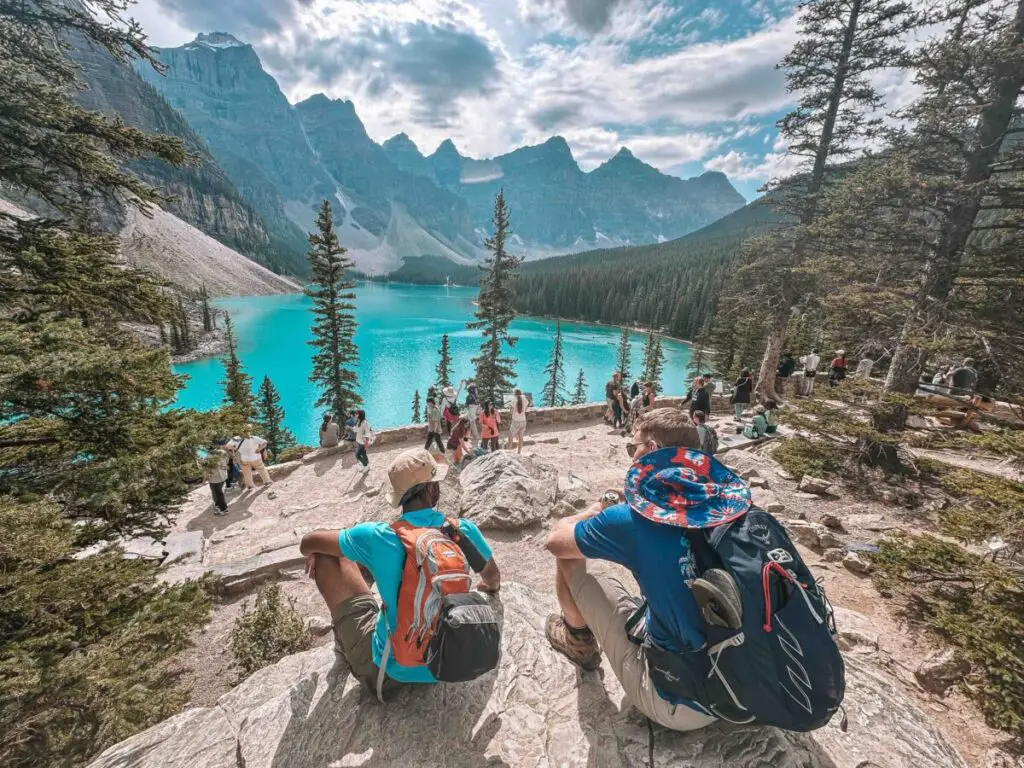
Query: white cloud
point(745, 167)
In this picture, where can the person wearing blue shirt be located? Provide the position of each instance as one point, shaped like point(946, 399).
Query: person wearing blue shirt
point(595, 602)
point(334, 559)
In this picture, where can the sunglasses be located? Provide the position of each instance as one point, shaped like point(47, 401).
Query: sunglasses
point(631, 447)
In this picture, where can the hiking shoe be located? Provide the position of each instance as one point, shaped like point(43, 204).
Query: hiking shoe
point(577, 645)
point(719, 599)
point(219, 512)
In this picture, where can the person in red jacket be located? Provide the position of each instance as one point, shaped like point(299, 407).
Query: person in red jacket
point(837, 368)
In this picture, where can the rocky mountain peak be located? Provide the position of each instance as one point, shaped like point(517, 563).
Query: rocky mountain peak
point(624, 154)
point(446, 148)
point(401, 142)
point(217, 40)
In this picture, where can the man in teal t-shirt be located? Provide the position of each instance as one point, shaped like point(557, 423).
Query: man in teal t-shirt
point(334, 557)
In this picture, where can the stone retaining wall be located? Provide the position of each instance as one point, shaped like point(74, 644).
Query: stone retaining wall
point(538, 417)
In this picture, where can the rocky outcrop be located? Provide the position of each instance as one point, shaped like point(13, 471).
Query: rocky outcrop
point(536, 710)
point(505, 491)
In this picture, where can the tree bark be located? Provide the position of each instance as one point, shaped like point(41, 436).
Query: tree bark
point(770, 362)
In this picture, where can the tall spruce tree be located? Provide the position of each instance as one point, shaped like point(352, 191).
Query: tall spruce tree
point(334, 326)
point(204, 301)
point(579, 395)
point(622, 355)
point(654, 360)
point(85, 432)
point(237, 383)
point(842, 43)
point(495, 370)
point(268, 416)
point(416, 407)
point(444, 363)
point(553, 393)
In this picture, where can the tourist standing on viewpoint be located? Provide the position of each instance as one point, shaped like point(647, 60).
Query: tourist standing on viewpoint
point(366, 634)
point(458, 441)
point(250, 452)
point(216, 471)
point(837, 368)
point(518, 431)
point(364, 438)
point(742, 390)
point(434, 417)
point(811, 363)
point(330, 432)
point(708, 435)
point(786, 367)
point(698, 397)
point(611, 390)
point(771, 417)
point(473, 412)
point(596, 604)
point(490, 425)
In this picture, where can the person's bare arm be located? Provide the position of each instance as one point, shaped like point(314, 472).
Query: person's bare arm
point(490, 578)
point(323, 541)
point(562, 539)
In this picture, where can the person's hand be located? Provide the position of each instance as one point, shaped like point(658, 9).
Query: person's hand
point(487, 590)
point(311, 566)
point(606, 500)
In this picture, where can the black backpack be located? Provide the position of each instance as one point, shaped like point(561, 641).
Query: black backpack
point(782, 667)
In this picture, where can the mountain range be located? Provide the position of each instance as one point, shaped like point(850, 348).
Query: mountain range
point(266, 164)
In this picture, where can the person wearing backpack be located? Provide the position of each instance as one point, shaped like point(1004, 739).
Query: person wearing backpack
point(387, 645)
point(708, 435)
point(699, 396)
point(730, 625)
point(758, 426)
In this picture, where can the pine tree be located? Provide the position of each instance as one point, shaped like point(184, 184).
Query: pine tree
point(334, 326)
point(204, 298)
point(89, 450)
point(185, 328)
point(654, 360)
point(237, 383)
point(623, 355)
point(495, 371)
point(416, 408)
point(444, 364)
point(554, 385)
point(269, 418)
point(972, 79)
point(700, 358)
point(842, 42)
point(579, 396)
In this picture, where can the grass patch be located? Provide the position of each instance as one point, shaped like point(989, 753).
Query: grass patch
point(800, 456)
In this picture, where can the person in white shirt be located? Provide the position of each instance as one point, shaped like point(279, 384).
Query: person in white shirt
point(519, 407)
point(811, 363)
point(250, 454)
point(364, 436)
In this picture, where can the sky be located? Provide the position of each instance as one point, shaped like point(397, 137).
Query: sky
point(687, 85)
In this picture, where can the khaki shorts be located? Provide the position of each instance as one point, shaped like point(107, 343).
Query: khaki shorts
point(607, 605)
point(355, 620)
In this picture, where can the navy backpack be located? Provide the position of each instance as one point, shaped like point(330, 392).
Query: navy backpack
point(782, 666)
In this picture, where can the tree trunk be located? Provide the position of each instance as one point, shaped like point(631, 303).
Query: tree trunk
point(941, 273)
point(770, 362)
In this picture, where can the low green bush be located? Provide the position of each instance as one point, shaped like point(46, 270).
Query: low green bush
point(294, 453)
point(971, 603)
point(266, 634)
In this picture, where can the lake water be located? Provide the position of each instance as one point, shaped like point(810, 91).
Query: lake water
point(400, 328)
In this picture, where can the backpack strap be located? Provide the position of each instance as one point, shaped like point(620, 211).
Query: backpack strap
point(382, 670)
point(633, 621)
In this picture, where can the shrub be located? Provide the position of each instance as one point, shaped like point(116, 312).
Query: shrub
point(971, 603)
point(268, 633)
point(294, 453)
point(800, 456)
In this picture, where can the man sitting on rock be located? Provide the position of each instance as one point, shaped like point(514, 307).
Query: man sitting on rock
point(596, 603)
point(335, 559)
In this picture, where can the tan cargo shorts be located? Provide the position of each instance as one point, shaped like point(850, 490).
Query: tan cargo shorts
point(607, 604)
point(354, 621)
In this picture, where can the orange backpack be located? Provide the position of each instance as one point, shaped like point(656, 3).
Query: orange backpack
point(435, 567)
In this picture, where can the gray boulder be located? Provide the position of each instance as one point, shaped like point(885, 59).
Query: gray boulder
point(941, 670)
point(508, 492)
point(815, 485)
point(535, 711)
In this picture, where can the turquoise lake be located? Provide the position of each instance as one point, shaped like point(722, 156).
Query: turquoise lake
point(400, 328)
